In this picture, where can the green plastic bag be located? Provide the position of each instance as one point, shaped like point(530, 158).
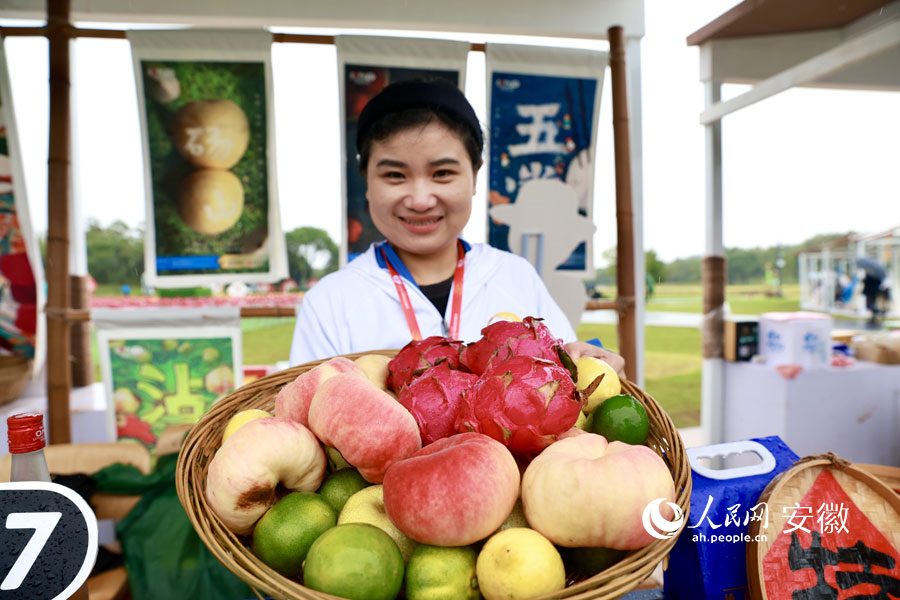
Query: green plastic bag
point(163, 554)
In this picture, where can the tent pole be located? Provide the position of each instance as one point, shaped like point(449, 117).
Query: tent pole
point(59, 375)
point(625, 294)
point(713, 278)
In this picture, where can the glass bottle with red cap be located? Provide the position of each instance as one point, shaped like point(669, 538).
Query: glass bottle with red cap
point(27, 462)
point(26, 446)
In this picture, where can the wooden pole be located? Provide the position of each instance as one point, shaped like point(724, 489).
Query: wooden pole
point(624, 215)
point(59, 375)
point(80, 333)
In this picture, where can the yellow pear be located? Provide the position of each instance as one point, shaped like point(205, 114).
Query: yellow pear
point(589, 369)
point(242, 418)
point(376, 368)
point(211, 201)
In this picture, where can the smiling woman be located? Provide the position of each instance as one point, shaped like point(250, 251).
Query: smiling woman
point(420, 197)
point(420, 147)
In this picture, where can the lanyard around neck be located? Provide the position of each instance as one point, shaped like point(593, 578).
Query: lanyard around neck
point(406, 304)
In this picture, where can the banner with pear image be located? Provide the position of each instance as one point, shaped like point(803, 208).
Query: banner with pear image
point(205, 118)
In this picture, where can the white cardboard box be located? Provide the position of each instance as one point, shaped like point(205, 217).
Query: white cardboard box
point(852, 411)
point(797, 338)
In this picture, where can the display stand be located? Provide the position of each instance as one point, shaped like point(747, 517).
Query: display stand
point(851, 411)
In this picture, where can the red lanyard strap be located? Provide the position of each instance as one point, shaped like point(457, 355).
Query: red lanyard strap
point(406, 304)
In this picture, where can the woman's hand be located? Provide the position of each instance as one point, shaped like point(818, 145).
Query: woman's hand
point(579, 349)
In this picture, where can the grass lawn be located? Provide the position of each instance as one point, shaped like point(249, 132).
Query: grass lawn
point(749, 299)
point(673, 363)
point(672, 367)
point(267, 340)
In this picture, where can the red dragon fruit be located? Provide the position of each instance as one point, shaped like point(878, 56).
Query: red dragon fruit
point(523, 402)
point(418, 355)
point(434, 399)
point(504, 339)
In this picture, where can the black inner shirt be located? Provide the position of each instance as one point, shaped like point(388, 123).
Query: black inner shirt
point(438, 293)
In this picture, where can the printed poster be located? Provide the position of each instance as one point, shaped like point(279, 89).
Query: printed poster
point(212, 206)
point(166, 367)
point(20, 270)
point(543, 105)
point(366, 66)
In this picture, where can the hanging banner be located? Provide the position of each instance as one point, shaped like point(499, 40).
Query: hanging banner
point(165, 367)
point(21, 297)
point(205, 103)
point(365, 66)
point(543, 105)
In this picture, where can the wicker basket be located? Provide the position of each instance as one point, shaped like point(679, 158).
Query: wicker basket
point(203, 440)
point(14, 374)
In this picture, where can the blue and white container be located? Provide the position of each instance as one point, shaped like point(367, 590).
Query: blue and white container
point(795, 338)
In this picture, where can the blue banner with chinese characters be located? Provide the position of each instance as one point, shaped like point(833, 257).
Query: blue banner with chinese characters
point(542, 126)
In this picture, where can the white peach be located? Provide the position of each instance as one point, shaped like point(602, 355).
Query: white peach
point(243, 474)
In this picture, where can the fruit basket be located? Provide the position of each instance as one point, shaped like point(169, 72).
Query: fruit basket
point(202, 441)
point(14, 374)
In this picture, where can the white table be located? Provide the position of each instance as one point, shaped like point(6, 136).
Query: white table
point(90, 419)
point(851, 411)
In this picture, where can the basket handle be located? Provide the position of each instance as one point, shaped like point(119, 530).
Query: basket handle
point(766, 465)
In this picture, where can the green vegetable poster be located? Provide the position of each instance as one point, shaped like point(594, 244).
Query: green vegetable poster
point(205, 108)
point(158, 376)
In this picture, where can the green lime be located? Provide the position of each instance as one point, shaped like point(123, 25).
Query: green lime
point(283, 535)
point(622, 418)
point(590, 561)
point(340, 485)
point(442, 573)
point(357, 561)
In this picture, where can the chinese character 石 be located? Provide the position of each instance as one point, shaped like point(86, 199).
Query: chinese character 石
point(806, 513)
point(833, 518)
point(705, 516)
point(541, 131)
point(817, 557)
point(760, 512)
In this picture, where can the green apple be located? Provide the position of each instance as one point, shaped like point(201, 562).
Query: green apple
point(367, 506)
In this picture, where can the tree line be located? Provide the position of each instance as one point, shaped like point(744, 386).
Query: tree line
point(744, 265)
point(115, 255)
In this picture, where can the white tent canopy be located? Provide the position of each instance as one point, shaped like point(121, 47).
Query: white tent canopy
point(776, 46)
point(584, 19)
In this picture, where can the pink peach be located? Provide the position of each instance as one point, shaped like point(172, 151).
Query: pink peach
point(454, 491)
point(371, 430)
point(293, 400)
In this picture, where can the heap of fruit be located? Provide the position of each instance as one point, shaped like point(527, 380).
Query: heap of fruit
point(451, 471)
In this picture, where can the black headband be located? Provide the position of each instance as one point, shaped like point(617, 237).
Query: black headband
point(418, 94)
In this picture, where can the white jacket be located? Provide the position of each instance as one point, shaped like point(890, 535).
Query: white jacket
point(356, 309)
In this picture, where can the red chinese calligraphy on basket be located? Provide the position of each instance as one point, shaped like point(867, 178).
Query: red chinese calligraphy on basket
point(834, 533)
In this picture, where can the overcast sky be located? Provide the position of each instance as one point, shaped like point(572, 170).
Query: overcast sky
point(802, 163)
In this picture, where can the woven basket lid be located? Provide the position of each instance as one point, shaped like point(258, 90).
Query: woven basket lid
point(833, 531)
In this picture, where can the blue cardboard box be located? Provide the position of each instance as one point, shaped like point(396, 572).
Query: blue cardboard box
point(708, 561)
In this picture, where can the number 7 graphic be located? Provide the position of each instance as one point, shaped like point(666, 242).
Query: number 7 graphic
point(43, 525)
